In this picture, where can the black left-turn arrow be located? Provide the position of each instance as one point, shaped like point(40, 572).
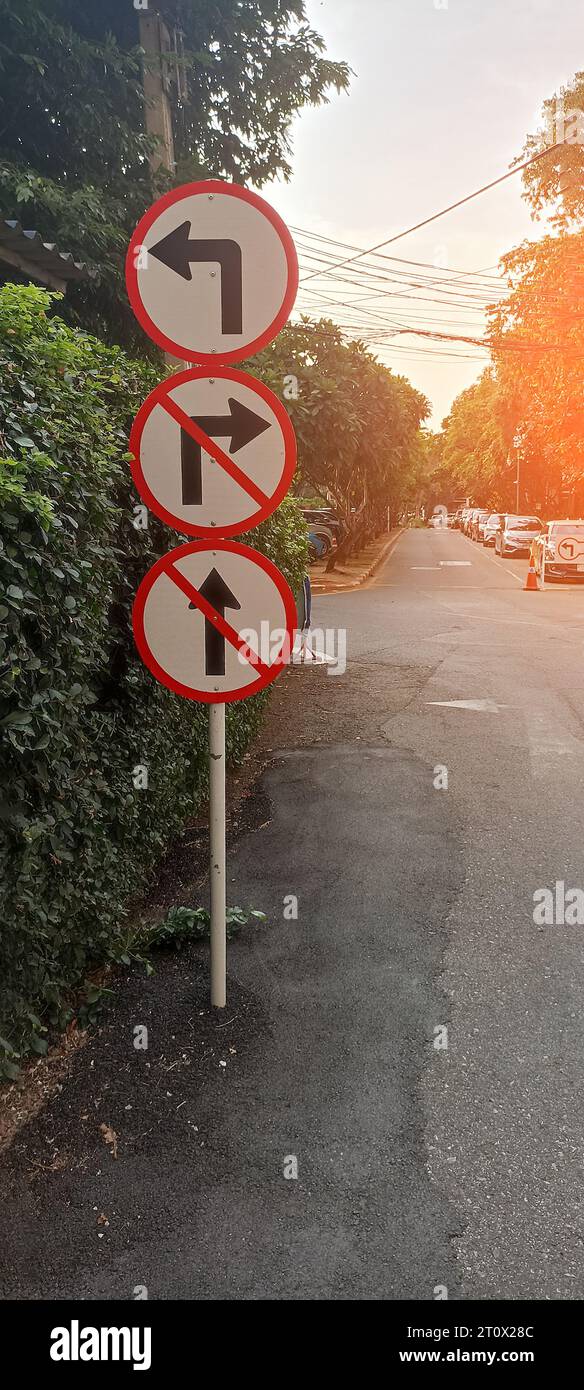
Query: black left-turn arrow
point(219, 595)
point(240, 426)
point(179, 250)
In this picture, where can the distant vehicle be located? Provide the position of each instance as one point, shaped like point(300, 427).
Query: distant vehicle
point(323, 516)
point(471, 518)
point(465, 513)
point(480, 516)
point(322, 539)
point(491, 527)
point(457, 518)
point(317, 546)
point(439, 517)
point(515, 534)
point(561, 548)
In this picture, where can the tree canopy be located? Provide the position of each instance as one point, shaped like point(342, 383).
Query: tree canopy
point(537, 340)
point(73, 145)
point(357, 425)
point(558, 178)
point(474, 448)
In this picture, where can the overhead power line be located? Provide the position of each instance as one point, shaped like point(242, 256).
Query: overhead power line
point(399, 260)
point(390, 241)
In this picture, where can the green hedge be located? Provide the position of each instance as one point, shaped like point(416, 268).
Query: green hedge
point(78, 711)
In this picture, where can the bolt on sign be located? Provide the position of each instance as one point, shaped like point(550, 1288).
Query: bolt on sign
point(212, 275)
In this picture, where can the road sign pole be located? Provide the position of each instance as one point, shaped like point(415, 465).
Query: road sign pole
point(193, 482)
point(217, 850)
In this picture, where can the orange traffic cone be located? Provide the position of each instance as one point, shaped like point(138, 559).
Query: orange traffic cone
point(531, 581)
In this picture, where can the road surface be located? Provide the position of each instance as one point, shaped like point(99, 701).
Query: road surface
point(418, 1168)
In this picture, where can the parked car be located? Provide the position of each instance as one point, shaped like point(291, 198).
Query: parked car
point(321, 538)
point(469, 520)
point(515, 534)
point(324, 516)
point(561, 546)
point(480, 516)
point(318, 548)
point(491, 527)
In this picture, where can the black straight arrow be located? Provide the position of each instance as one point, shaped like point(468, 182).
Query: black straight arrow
point(219, 595)
point(240, 426)
point(179, 250)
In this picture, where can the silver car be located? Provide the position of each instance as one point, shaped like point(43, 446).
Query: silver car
point(480, 520)
point(516, 533)
point(492, 525)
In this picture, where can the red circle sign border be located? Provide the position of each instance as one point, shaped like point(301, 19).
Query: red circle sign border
point(161, 567)
point(231, 190)
point(156, 397)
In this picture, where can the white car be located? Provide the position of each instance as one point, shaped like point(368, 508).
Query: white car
point(558, 553)
point(515, 534)
point(491, 527)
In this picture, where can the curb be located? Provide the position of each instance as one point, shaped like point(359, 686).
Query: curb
point(358, 584)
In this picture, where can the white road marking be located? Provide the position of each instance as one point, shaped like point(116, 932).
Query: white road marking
point(455, 564)
point(498, 563)
point(482, 706)
point(424, 567)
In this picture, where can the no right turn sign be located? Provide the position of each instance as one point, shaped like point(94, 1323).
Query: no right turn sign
point(213, 455)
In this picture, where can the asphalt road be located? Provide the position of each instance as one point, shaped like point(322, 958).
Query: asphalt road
point(416, 1167)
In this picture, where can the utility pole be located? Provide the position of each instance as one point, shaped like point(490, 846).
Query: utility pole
point(517, 486)
point(155, 40)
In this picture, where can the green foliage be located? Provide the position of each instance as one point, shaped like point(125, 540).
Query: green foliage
point(73, 143)
point(78, 711)
point(554, 184)
point(475, 444)
point(537, 341)
point(357, 425)
point(183, 924)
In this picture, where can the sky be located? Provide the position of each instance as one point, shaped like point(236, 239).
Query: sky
point(443, 95)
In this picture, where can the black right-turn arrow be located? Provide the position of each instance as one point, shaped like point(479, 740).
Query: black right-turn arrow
point(240, 426)
point(219, 595)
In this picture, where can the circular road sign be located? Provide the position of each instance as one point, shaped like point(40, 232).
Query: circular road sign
point(211, 272)
point(214, 622)
point(213, 455)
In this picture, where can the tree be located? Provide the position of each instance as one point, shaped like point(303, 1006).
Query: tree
point(558, 177)
point(357, 425)
point(537, 339)
point(73, 147)
point(530, 404)
point(474, 444)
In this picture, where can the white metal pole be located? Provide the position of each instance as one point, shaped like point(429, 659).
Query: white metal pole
point(217, 848)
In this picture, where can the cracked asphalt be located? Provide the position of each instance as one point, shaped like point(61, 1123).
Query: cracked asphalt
point(415, 1166)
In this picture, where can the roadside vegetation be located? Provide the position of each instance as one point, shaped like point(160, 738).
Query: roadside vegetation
point(78, 711)
point(100, 766)
point(527, 409)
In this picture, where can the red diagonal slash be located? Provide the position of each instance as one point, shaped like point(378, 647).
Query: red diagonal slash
point(220, 623)
point(224, 460)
